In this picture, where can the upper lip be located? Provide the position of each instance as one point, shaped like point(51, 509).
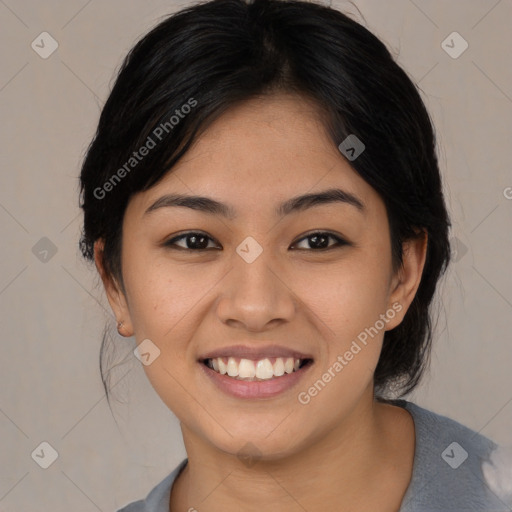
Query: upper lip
point(255, 353)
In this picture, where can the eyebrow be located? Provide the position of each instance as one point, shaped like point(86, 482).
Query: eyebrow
point(295, 204)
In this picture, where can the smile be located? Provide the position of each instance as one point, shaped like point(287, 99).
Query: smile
point(255, 370)
point(262, 378)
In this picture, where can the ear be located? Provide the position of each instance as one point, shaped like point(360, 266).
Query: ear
point(406, 280)
point(115, 294)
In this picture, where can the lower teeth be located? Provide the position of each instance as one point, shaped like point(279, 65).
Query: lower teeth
point(256, 379)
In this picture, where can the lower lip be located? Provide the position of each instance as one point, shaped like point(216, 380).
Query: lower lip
point(255, 389)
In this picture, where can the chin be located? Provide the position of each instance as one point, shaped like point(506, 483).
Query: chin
point(268, 444)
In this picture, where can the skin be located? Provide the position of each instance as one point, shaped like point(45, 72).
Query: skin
point(342, 449)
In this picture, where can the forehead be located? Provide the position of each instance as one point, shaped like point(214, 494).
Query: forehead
point(276, 131)
point(261, 153)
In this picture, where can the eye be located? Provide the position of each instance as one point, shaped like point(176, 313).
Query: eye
point(194, 241)
point(197, 241)
point(319, 240)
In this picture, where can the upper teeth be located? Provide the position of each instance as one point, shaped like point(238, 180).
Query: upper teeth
point(249, 369)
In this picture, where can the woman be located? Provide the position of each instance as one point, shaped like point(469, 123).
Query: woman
point(263, 202)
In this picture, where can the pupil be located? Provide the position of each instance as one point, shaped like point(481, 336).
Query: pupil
point(315, 241)
point(194, 239)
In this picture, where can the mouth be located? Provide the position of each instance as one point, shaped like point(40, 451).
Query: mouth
point(256, 370)
point(262, 372)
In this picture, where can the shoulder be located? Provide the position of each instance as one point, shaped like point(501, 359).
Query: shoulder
point(449, 462)
point(157, 499)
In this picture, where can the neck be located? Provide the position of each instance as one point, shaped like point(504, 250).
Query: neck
point(355, 463)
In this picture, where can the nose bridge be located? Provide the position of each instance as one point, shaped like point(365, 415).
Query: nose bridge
point(254, 270)
point(255, 294)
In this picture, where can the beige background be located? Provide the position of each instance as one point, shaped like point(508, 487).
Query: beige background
point(52, 312)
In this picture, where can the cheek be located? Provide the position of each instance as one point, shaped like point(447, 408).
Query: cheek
point(347, 296)
point(160, 294)
point(168, 303)
point(349, 304)
point(164, 307)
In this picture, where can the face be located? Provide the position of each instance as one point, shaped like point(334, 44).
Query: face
point(262, 278)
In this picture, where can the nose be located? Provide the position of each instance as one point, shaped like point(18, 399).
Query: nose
point(256, 295)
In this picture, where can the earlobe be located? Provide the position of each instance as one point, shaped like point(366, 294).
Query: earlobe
point(408, 277)
point(115, 295)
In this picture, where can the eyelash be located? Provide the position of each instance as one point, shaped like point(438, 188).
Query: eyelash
point(171, 244)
